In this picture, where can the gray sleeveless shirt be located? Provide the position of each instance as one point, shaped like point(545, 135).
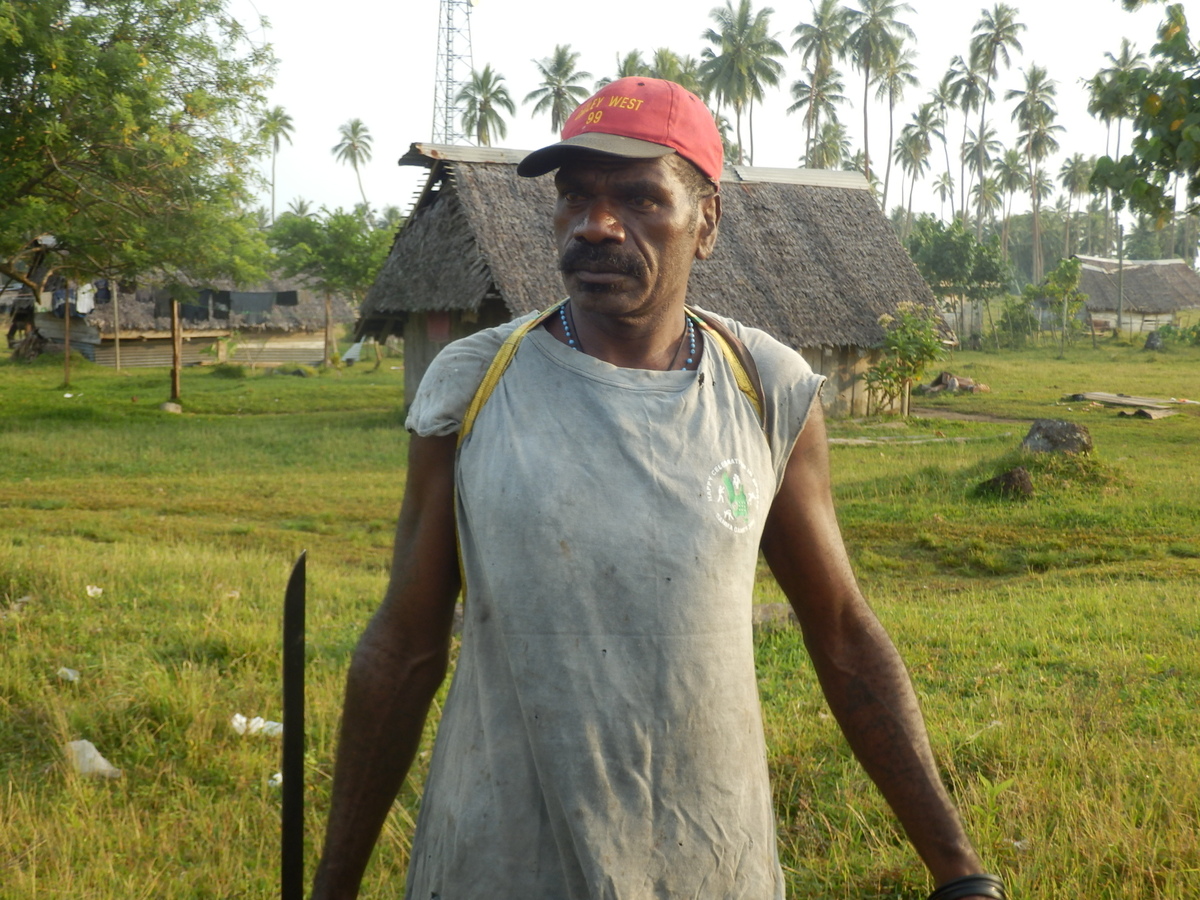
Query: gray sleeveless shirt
point(602, 737)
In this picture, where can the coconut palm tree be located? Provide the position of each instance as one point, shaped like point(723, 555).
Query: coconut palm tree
point(975, 149)
point(354, 148)
point(896, 72)
point(630, 64)
point(560, 90)
point(944, 187)
point(818, 42)
point(742, 59)
point(1111, 100)
point(683, 70)
point(1074, 176)
point(943, 99)
point(818, 94)
point(830, 147)
point(1011, 177)
point(969, 90)
point(481, 100)
point(994, 35)
point(912, 152)
point(273, 126)
point(988, 198)
point(875, 32)
point(300, 207)
point(1034, 113)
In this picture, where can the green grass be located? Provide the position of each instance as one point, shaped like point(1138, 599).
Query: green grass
point(1053, 641)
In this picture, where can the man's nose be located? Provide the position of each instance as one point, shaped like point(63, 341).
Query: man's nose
point(598, 223)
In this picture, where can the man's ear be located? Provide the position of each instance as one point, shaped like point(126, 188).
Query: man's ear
point(710, 211)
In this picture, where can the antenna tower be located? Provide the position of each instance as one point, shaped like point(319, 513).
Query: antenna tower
point(454, 66)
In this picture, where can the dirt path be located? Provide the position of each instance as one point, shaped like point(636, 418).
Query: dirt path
point(926, 413)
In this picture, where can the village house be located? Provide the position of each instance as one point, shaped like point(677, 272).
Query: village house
point(278, 322)
point(805, 255)
point(1155, 292)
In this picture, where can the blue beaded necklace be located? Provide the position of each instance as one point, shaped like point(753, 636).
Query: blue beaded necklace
point(568, 320)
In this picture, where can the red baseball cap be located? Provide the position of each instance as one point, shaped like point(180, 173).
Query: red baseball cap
point(636, 118)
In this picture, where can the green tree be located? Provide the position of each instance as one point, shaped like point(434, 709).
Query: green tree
point(911, 341)
point(831, 148)
point(354, 148)
point(818, 94)
point(1034, 113)
point(943, 186)
point(913, 151)
point(1011, 176)
point(875, 33)
point(1075, 176)
point(1167, 144)
point(683, 70)
point(818, 43)
point(300, 207)
point(993, 36)
point(127, 141)
point(897, 71)
point(943, 99)
point(742, 59)
point(973, 150)
point(560, 90)
point(968, 87)
point(482, 98)
point(956, 265)
point(1061, 290)
point(275, 125)
point(336, 252)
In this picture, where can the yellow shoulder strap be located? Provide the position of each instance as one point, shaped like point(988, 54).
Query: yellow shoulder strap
point(745, 372)
point(735, 353)
point(499, 363)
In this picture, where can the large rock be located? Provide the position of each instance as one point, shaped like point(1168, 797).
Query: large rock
point(1057, 436)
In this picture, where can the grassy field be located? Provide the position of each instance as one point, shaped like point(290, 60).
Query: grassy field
point(1053, 641)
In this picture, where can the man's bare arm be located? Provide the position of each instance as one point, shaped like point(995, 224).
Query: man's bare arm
point(861, 674)
point(396, 669)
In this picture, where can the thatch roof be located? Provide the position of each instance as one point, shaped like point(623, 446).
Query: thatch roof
point(805, 255)
point(1153, 286)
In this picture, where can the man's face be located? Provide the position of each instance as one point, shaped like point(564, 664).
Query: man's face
point(628, 230)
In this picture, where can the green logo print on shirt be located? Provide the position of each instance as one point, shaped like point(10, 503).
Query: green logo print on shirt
point(733, 491)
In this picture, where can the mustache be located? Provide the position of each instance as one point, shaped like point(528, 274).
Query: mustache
point(601, 257)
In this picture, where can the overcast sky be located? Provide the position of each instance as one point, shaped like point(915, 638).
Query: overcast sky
point(376, 61)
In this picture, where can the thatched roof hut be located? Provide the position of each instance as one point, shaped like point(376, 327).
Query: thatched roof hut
point(805, 255)
point(1155, 291)
point(276, 321)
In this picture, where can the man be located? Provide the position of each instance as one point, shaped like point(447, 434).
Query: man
point(611, 476)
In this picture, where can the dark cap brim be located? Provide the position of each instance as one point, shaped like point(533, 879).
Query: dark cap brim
point(539, 162)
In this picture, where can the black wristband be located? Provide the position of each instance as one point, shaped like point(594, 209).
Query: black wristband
point(971, 886)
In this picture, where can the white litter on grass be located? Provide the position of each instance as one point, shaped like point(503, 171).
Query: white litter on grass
point(68, 396)
point(93, 591)
point(233, 594)
point(86, 760)
point(257, 725)
point(66, 674)
point(275, 780)
point(16, 606)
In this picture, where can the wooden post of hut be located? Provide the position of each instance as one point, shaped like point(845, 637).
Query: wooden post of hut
point(176, 350)
point(116, 325)
point(67, 342)
point(328, 329)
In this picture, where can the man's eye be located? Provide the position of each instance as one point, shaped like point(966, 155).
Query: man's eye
point(641, 202)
